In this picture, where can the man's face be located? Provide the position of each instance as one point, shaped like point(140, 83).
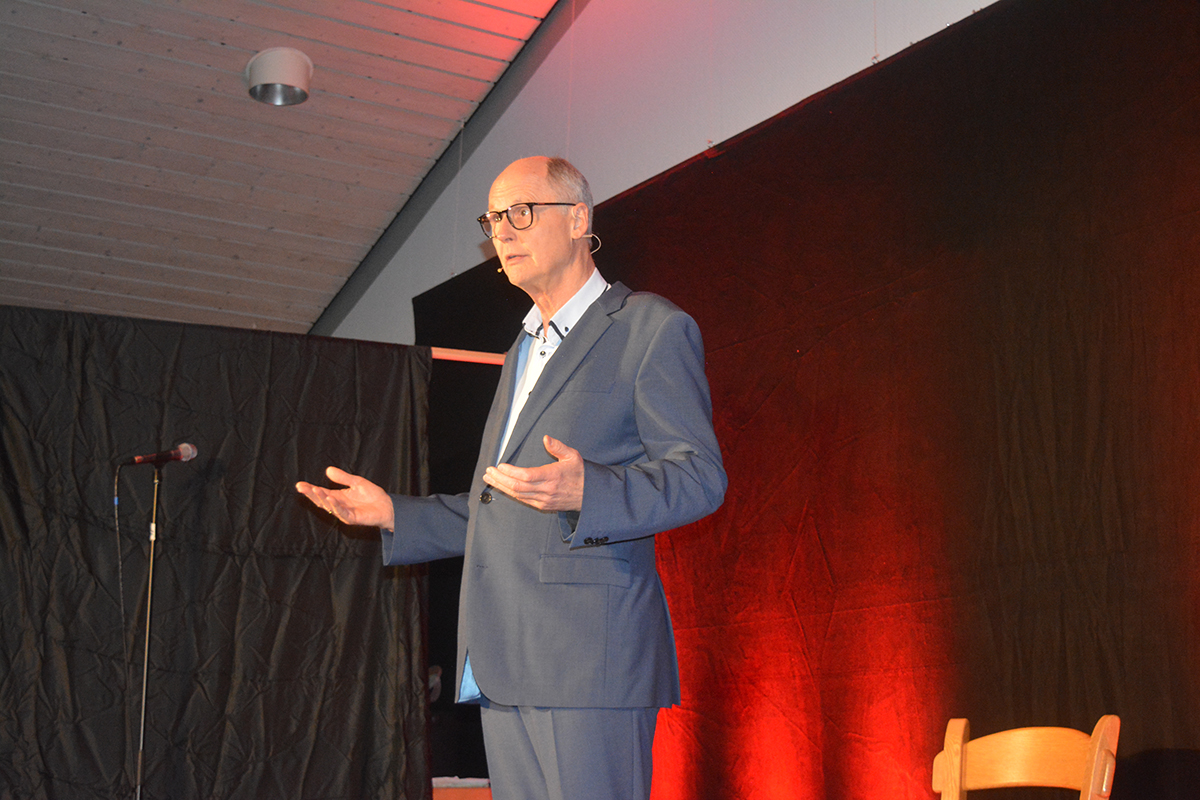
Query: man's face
point(534, 257)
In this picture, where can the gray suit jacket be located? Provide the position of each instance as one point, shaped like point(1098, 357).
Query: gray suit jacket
point(566, 609)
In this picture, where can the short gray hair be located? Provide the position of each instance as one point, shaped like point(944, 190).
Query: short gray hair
point(563, 176)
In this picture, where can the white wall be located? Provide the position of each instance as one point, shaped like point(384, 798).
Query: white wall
point(635, 87)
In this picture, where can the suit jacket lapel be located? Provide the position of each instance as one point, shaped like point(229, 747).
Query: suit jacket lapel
point(498, 416)
point(571, 352)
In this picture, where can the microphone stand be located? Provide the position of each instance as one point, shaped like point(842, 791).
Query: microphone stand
point(146, 648)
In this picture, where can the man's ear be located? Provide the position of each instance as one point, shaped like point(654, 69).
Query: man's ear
point(579, 220)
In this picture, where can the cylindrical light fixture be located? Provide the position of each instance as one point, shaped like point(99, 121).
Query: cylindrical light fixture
point(279, 76)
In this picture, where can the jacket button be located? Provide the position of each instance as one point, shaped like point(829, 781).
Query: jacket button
point(485, 496)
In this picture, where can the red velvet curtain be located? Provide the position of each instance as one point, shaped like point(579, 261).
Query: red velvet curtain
point(950, 313)
point(949, 308)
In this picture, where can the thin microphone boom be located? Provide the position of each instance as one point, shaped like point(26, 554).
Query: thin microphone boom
point(184, 452)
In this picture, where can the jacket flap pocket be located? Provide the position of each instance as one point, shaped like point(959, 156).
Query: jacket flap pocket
point(584, 569)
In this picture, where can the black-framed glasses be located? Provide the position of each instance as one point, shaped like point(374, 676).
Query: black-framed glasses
point(520, 216)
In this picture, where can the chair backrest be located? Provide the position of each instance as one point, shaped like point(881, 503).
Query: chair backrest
point(1062, 757)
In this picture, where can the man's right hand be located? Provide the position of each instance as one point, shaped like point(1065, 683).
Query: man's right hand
point(360, 503)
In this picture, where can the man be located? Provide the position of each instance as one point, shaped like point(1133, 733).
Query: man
point(599, 437)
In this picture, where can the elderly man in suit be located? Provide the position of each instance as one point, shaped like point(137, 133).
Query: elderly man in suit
point(599, 437)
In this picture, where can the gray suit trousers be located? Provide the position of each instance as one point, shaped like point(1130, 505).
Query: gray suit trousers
point(568, 753)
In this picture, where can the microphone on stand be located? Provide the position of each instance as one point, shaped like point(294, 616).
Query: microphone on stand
point(184, 452)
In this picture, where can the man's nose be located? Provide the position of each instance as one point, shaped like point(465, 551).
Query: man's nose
point(503, 229)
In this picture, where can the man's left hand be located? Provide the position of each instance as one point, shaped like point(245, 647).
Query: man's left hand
point(557, 486)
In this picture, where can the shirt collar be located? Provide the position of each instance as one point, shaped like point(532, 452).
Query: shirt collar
point(568, 316)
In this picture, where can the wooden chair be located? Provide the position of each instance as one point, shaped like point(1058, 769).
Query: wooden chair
point(1062, 757)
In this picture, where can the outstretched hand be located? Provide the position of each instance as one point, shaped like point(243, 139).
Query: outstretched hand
point(360, 503)
point(557, 486)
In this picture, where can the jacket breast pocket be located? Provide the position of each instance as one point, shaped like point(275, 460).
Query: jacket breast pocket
point(597, 384)
point(594, 375)
point(584, 569)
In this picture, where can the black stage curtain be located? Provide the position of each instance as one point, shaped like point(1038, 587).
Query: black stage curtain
point(284, 660)
point(950, 312)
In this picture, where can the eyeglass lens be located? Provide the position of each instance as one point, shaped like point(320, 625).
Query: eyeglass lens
point(520, 216)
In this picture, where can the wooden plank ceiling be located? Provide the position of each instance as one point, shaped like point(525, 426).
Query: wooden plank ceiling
point(138, 178)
